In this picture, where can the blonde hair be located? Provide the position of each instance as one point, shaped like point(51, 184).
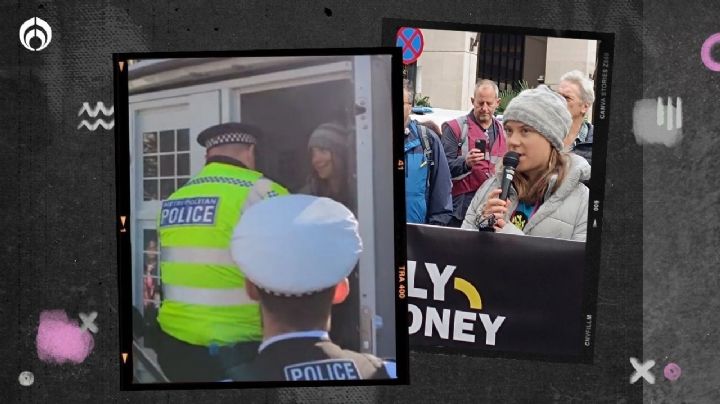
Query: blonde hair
point(532, 193)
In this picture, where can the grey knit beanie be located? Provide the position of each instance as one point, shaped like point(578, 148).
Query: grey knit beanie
point(544, 110)
point(330, 136)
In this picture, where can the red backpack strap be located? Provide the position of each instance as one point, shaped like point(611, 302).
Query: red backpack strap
point(459, 129)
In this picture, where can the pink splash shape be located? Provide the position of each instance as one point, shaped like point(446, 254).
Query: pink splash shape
point(61, 340)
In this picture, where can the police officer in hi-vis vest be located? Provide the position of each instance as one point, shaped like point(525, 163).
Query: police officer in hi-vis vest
point(209, 323)
point(296, 252)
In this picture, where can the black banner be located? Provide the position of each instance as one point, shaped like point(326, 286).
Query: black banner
point(489, 294)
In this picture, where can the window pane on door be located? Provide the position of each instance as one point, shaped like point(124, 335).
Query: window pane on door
point(151, 268)
point(167, 141)
point(150, 166)
point(167, 165)
point(150, 190)
point(167, 187)
point(150, 260)
point(183, 139)
point(149, 142)
point(166, 162)
point(183, 164)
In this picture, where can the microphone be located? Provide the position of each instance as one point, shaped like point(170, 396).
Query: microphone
point(510, 162)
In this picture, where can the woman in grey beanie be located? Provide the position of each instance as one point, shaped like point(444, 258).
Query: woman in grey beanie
point(328, 146)
point(547, 197)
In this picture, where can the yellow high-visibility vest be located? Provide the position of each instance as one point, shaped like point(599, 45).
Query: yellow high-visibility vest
point(204, 299)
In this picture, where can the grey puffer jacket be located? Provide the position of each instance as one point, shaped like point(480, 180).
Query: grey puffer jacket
point(563, 214)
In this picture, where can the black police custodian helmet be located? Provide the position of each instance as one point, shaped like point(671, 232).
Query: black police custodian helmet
point(229, 133)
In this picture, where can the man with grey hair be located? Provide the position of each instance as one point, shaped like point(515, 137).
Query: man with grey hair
point(578, 91)
point(470, 167)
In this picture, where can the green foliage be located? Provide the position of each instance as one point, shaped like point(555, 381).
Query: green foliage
point(508, 94)
point(422, 101)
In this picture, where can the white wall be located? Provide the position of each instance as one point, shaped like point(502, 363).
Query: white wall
point(447, 68)
point(564, 55)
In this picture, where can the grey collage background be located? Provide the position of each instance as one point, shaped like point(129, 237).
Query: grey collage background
point(657, 290)
point(681, 233)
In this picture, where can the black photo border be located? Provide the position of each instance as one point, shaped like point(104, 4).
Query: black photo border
point(601, 122)
point(123, 203)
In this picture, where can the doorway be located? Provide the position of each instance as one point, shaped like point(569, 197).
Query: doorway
point(287, 125)
point(282, 155)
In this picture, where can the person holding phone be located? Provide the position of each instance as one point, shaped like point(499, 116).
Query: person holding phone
point(471, 162)
point(480, 144)
point(547, 197)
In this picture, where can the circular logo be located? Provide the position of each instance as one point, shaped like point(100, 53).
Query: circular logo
point(35, 34)
point(26, 378)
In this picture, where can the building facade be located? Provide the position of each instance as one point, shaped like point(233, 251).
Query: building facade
point(453, 61)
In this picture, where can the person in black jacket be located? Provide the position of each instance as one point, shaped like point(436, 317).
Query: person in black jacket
point(296, 252)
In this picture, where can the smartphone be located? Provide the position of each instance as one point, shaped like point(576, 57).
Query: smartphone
point(480, 144)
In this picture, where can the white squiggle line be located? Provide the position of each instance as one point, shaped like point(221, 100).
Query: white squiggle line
point(98, 107)
point(99, 122)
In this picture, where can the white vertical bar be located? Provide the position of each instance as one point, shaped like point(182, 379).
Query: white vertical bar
point(678, 113)
point(225, 105)
point(660, 112)
point(203, 111)
point(468, 79)
point(365, 195)
point(134, 221)
point(669, 112)
point(418, 78)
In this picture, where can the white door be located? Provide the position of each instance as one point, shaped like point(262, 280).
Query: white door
point(375, 170)
point(164, 156)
